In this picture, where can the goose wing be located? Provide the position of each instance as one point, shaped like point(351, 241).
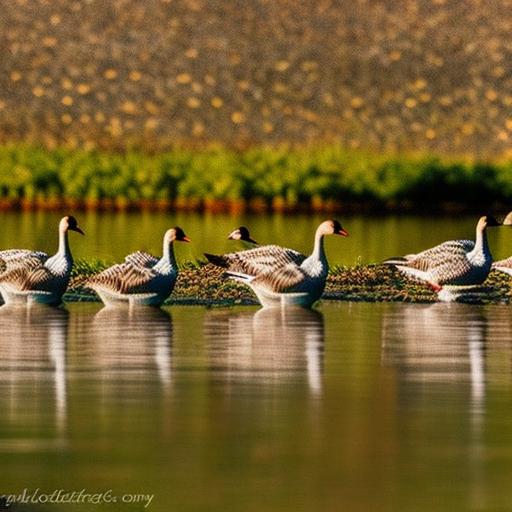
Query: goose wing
point(445, 262)
point(435, 256)
point(11, 258)
point(260, 260)
point(30, 277)
point(141, 259)
point(280, 280)
point(124, 278)
point(441, 254)
point(506, 263)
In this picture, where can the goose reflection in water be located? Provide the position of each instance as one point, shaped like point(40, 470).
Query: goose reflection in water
point(437, 343)
point(131, 343)
point(33, 387)
point(273, 345)
point(444, 344)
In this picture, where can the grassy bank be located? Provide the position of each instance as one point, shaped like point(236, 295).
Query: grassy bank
point(204, 284)
point(279, 179)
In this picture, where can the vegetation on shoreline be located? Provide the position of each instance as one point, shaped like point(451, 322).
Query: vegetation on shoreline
point(203, 284)
point(325, 179)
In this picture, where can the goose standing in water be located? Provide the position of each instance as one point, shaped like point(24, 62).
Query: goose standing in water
point(34, 276)
point(452, 263)
point(280, 276)
point(142, 279)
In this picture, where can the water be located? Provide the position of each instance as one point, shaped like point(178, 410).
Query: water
point(378, 407)
point(373, 238)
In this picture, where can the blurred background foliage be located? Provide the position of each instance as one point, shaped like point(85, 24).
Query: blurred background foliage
point(267, 104)
point(328, 178)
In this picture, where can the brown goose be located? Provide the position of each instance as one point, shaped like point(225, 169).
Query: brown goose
point(452, 263)
point(140, 280)
point(280, 276)
point(33, 276)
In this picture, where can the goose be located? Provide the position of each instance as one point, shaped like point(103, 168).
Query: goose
point(452, 263)
point(141, 279)
point(34, 277)
point(506, 264)
point(242, 234)
point(279, 276)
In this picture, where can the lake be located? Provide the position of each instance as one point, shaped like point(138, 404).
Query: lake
point(373, 238)
point(352, 406)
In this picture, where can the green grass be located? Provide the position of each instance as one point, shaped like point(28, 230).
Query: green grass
point(321, 178)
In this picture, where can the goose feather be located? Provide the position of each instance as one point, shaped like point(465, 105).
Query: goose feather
point(127, 278)
point(259, 260)
point(141, 259)
point(503, 265)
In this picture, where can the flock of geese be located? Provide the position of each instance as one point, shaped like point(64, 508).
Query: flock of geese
point(278, 276)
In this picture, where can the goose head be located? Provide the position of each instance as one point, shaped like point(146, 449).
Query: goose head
point(241, 233)
point(176, 234)
point(69, 223)
point(507, 221)
point(487, 221)
point(331, 227)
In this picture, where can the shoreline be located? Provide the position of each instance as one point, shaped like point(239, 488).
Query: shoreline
point(238, 207)
point(203, 285)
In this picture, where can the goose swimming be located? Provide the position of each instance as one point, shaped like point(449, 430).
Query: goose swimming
point(280, 276)
point(452, 263)
point(31, 276)
point(142, 279)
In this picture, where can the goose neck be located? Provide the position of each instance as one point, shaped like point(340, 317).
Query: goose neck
point(481, 240)
point(168, 253)
point(318, 249)
point(64, 249)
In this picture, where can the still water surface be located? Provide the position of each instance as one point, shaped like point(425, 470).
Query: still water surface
point(379, 407)
point(373, 238)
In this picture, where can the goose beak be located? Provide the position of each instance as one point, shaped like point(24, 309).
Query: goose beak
point(233, 234)
point(185, 239)
point(78, 230)
point(342, 232)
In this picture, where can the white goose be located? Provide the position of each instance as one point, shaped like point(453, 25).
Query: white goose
point(142, 279)
point(452, 263)
point(280, 276)
point(34, 276)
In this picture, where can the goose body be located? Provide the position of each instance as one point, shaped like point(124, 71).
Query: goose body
point(452, 263)
point(33, 277)
point(279, 276)
point(142, 279)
